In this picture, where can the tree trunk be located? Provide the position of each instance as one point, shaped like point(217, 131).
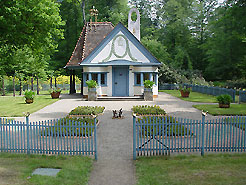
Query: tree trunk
point(51, 82)
point(37, 87)
point(32, 83)
point(55, 83)
point(83, 9)
point(3, 92)
point(20, 87)
point(14, 86)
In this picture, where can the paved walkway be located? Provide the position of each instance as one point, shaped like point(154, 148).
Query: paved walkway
point(115, 165)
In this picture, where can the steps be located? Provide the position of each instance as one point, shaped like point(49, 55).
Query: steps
point(115, 98)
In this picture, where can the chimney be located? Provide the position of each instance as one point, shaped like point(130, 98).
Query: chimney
point(134, 26)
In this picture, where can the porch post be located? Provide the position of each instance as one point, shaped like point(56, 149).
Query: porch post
point(151, 77)
point(141, 79)
point(71, 83)
point(74, 89)
point(82, 83)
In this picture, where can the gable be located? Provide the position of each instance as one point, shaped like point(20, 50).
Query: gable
point(120, 45)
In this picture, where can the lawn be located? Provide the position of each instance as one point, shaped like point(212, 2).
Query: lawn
point(15, 106)
point(211, 169)
point(235, 109)
point(17, 169)
point(194, 96)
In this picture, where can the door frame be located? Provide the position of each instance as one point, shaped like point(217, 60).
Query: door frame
point(127, 80)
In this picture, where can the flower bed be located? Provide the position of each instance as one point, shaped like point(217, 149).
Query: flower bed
point(87, 110)
point(152, 122)
point(148, 110)
point(67, 126)
point(156, 126)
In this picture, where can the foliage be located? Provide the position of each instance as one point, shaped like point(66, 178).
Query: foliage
point(238, 84)
point(185, 89)
point(29, 94)
point(224, 99)
point(148, 84)
point(30, 33)
point(148, 110)
point(66, 127)
point(87, 110)
point(235, 109)
point(55, 90)
point(91, 83)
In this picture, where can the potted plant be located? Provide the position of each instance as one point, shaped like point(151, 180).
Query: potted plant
point(224, 100)
point(185, 91)
point(29, 96)
point(92, 90)
point(148, 93)
point(55, 93)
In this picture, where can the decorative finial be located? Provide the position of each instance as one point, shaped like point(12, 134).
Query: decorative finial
point(93, 12)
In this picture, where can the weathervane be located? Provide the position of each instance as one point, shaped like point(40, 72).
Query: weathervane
point(93, 13)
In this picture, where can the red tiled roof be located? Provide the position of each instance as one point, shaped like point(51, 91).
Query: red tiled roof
point(89, 39)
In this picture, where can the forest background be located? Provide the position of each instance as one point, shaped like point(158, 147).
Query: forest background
point(196, 40)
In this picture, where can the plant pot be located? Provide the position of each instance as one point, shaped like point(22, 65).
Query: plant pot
point(185, 94)
point(28, 101)
point(92, 94)
point(221, 105)
point(55, 95)
point(148, 94)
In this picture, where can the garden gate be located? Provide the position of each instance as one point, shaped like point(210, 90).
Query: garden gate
point(48, 137)
point(155, 135)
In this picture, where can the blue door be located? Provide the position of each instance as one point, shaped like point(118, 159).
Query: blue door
point(120, 81)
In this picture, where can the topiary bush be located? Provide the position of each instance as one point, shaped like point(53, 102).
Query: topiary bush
point(148, 110)
point(87, 110)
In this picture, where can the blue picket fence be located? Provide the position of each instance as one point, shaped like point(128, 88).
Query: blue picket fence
point(164, 135)
point(60, 137)
point(215, 91)
point(242, 96)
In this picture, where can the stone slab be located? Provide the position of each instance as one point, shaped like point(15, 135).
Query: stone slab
point(46, 171)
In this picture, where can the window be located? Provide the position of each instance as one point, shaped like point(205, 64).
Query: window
point(145, 76)
point(94, 76)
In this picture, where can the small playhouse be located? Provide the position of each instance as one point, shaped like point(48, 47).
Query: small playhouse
point(115, 58)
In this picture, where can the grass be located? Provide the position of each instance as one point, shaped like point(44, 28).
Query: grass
point(17, 169)
point(15, 106)
point(211, 169)
point(195, 96)
point(235, 109)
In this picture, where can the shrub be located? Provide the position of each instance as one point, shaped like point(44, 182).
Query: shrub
point(71, 127)
point(91, 83)
point(148, 110)
point(55, 90)
point(87, 110)
point(185, 89)
point(29, 94)
point(224, 99)
point(148, 84)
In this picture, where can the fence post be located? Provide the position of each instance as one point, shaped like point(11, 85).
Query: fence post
point(203, 123)
point(134, 137)
point(27, 133)
point(95, 136)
